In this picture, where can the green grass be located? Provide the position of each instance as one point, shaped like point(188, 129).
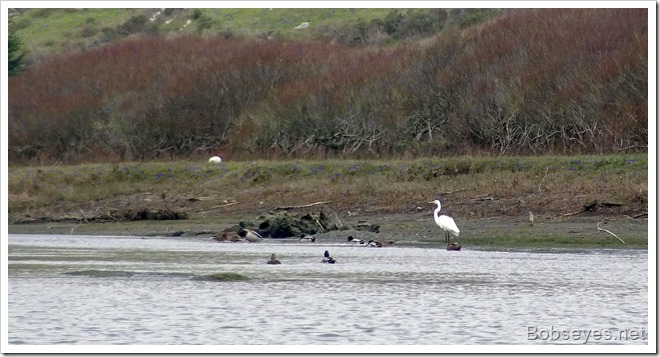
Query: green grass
point(55, 30)
point(55, 27)
point(542, 184)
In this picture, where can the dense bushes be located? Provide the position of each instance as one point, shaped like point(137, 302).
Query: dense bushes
point(531, 81)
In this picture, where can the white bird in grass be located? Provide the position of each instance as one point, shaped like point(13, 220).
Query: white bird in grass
point(445, 222)
point(215, 160)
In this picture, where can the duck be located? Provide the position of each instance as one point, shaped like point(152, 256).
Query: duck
point(250, 235)
point(307, 238)
point(374, 243)
point(354, 240)
point(273, 260)
point(227, 237)
point(454, 246)
point(327, 258)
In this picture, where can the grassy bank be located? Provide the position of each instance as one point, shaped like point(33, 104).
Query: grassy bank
point(471, 189)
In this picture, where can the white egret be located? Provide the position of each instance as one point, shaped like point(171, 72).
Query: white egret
point(445, 222)
point(215, 160)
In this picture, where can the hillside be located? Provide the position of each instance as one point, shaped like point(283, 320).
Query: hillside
point(527, 82)
point(52, 31)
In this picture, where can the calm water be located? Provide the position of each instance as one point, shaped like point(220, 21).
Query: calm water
point(131, 290)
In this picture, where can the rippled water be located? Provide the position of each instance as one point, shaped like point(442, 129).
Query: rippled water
point(131, 290)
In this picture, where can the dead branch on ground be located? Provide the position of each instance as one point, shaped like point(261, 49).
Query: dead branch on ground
point(605, 230)
point(214, 207)
point(337, 217)
point(283, 208)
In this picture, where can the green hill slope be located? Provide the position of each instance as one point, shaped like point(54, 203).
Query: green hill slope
point(51, 31)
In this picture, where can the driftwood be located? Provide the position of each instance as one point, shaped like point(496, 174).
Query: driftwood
point(590, 206)
point(605, 230)
point(573, 213)
point(336, 217)
point(482, 198)
point(640, 215)
point(74, 227)
point(284, 208)
point(214, 207)
point(450, 192)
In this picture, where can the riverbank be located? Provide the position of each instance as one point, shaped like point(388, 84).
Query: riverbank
point(489, 197)
point(409, 229)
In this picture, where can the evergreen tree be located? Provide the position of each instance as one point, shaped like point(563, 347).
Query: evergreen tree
point(15, 54)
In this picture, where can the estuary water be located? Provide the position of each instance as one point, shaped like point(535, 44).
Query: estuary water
point(104, 290)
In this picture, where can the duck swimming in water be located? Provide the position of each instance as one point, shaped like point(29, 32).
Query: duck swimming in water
point(273, 259)
point(327, 258)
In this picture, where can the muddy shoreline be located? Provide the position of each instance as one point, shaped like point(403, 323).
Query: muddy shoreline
point(416, 228)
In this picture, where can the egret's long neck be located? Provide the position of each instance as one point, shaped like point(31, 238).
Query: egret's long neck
point(437, 210)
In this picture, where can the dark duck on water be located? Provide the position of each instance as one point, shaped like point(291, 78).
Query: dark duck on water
point(327, 258)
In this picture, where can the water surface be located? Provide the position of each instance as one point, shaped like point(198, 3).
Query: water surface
point(133, 290)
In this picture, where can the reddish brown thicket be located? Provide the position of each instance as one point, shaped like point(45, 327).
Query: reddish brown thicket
point(528, 82)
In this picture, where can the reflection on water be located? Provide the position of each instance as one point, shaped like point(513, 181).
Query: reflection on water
point(119, 290)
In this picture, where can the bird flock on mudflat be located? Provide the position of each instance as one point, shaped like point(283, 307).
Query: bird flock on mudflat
point(445, 222)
